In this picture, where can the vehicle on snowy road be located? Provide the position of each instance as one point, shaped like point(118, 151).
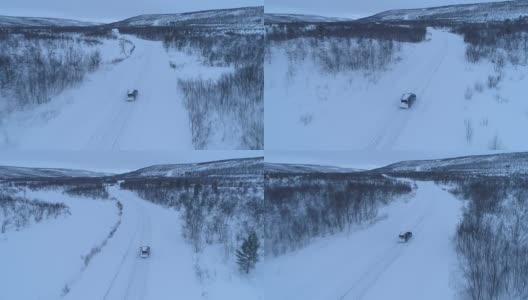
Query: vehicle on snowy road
point(407, 100)
point(132, 95)
point(405, 236)
point(144, 251)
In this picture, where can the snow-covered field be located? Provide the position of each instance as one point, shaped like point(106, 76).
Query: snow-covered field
point(97, 116)
point(48, 256)
point(313, 110)
point(370, 262)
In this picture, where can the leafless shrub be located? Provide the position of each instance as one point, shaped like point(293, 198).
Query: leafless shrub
point(493, 81)
point(300, 207)
point(479, 86)
point(469, 93)
point(495, 143)
point(235, 98)
point(35, 66)
point(469, 131)
point(306, 119)
point(484, 122)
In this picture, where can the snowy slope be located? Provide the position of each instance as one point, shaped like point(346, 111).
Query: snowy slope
point(243, 15)
point(244, 166)
point(472, 13)
point(10, 21)
point(47, 255)
point(273, 18)
point(304, 168)
point(7, 172)
point(370, 262)
point(494, 164)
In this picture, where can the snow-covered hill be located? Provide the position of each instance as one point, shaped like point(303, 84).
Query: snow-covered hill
point(10, 21)
point(8, 172)
point(473, 13)
point(494, 164)
point(273, 18)
point(243, 166)
point(243, 15)
point(304, 168)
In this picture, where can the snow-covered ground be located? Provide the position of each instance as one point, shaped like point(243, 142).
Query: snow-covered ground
point(48, 256)
point(96, 115)
point(371, 262)
point(44, 256)
point(314, 110)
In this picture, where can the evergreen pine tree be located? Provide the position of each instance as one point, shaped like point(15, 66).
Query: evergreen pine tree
point(247, 255)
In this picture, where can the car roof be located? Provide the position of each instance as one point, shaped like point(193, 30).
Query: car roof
point(407, 95)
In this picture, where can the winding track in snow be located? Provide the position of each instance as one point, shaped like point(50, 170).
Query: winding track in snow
point(426, 69)
point(424, 224)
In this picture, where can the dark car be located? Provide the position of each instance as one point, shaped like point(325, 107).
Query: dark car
point(144, 251)
point(132, 95)
point(405, 236)
point(407, 100)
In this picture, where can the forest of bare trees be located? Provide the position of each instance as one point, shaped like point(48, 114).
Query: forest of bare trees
point(219, 210)
point(18, 212)
point(491, 240)
point(301, 207)
point(342, 46)
point(231, 106)
point(37, 65)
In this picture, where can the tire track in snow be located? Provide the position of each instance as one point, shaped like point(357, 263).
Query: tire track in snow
point(137, 283)
point(360, 287)
point(131, 249)
point(392, 129)
point(120, 267)
point(109, 132)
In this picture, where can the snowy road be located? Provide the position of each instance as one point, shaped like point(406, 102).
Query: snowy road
point(371, 263)
point(359, 110)
point(119, 273)
point(416, 79)
point(97, 115)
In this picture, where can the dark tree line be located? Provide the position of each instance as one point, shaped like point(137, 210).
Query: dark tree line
point(340, 47)
point(232, 105)
point(37, 65)
point(18, 212)
point(301, 207)
point(215, 210)
point(498, 42)
point(491, 241)
point(90, 187)
point(355, 30)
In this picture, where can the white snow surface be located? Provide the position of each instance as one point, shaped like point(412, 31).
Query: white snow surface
point(96, 115)
point(370, 262)
point(47, 256)
point(353, 111)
